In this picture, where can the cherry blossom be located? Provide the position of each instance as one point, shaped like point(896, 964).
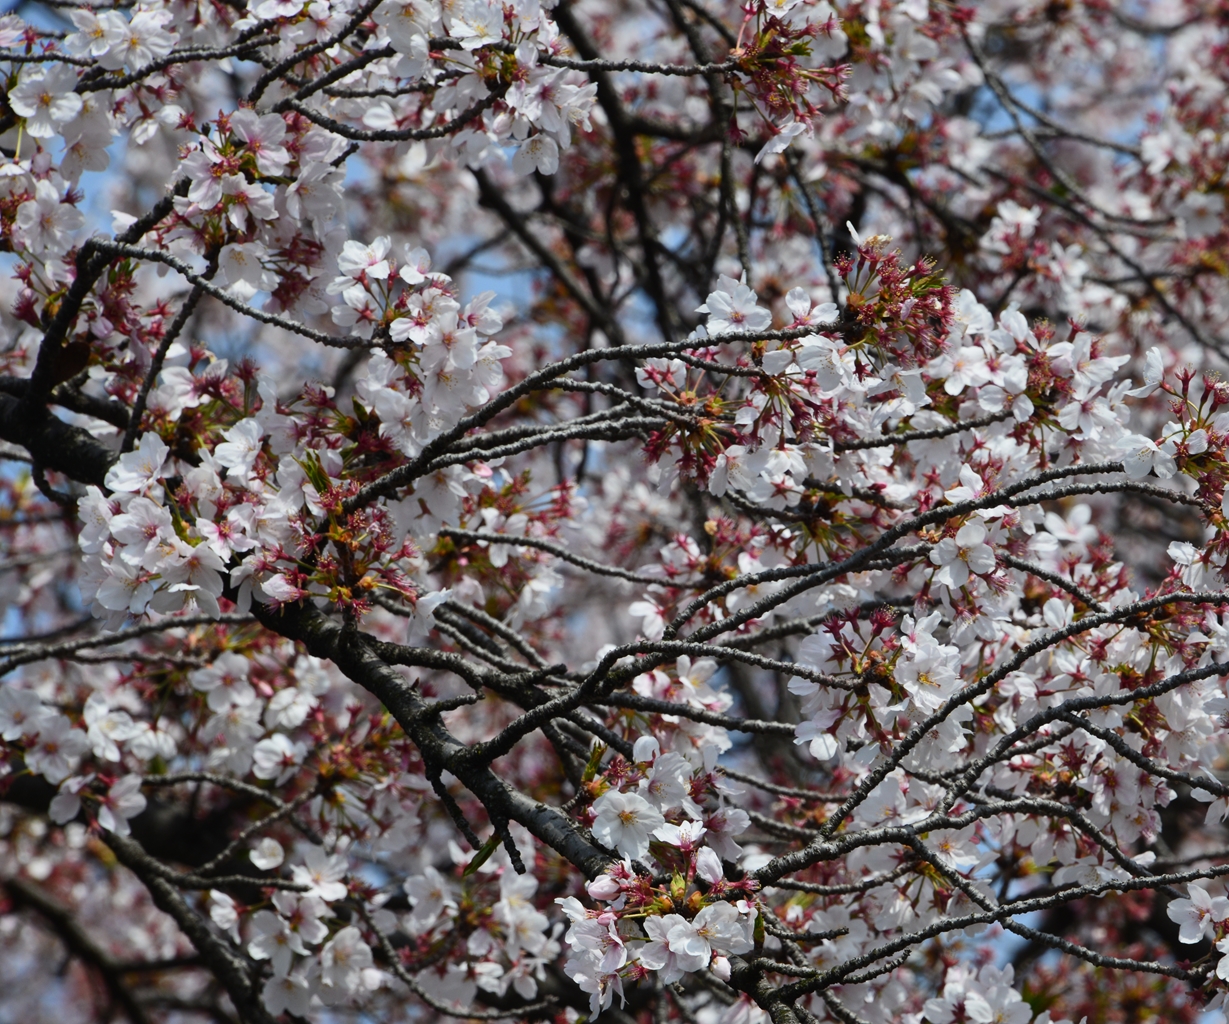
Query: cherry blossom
point(553, 511)
point(45, 97)
point(625, 822)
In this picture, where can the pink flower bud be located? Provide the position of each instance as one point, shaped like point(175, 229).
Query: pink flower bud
point(603, 888)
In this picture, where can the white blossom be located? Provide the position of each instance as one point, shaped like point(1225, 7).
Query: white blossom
point(625, 822)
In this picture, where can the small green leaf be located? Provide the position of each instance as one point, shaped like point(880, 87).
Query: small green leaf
point(678, 888)
point(482, 856)
point(595, 762)
point(314, 472)
point(180, 527)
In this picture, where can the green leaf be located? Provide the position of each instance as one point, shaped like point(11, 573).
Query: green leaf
point(482, 856)
point(314, 472)
point(678, 888)
point(595, 762)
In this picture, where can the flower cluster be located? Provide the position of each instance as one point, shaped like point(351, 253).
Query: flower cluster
point(710, 513)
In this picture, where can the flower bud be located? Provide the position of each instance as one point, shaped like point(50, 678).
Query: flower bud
point(603, 888)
